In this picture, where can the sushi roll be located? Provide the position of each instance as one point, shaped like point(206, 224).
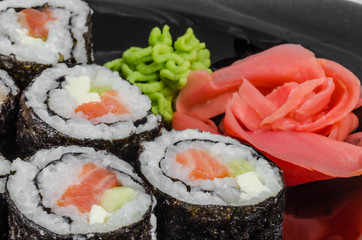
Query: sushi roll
point(85, 105)
point(37, 34)
point(212, 187)
point(5, 166)
point(78, 193)
point(9, 93)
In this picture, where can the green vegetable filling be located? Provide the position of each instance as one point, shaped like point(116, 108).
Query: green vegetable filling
point(240, 166)
point(100, 89)
point(160, 70)
point(114, 198)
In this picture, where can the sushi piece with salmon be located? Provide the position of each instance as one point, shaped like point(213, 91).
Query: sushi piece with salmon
point(212, 187)
point(85, 105)
point(5, 167)
point(35, 35)
point(78, 193)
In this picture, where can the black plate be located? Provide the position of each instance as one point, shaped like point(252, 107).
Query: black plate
point(331, 29)
point(234, 29)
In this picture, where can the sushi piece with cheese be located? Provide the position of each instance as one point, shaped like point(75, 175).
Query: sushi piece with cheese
point(85, 105)
point(212, 187)
point(37, 34)
point(78, 193)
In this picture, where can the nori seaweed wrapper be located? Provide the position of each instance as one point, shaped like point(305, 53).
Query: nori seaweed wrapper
point(180, 220)
point(20, 227)
point(4, 173)
point(8, 115)
point(23, 228)
point(3, 217)
point(34, 134)
point(23, 72)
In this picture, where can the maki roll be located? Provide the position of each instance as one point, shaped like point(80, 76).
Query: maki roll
point(85, 105)
point(78, 193)
point(5, 166)
point(37, 34)
point(8, 111)
point(212, 187)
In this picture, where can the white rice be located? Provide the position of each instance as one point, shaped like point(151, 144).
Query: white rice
point(4, 91)
point(220, 191)
point(14, 38)
point(62, 103)
point(24, 194)
point(7, 86)
point(5, 167)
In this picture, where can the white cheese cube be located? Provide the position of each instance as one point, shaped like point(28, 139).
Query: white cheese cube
point(89, 97)
point(78, 85)
point(79, 88)
point(97, 215)
point(26, 39)
point(250, 184)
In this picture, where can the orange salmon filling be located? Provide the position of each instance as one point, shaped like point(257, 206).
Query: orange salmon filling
point(111, 103)
point(35, 21)
point(202, 165)
point(94, 182)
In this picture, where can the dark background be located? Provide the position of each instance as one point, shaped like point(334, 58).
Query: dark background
point(330, 28)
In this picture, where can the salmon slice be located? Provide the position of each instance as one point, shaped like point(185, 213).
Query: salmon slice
point(110, 103)
point(36, 21)
point(202, 165)
point(94, 181)
point(92, 109)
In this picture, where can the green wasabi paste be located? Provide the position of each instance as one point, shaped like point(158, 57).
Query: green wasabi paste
point(161, 69)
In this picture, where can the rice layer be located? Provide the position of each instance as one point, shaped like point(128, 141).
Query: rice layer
point(7, 86)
